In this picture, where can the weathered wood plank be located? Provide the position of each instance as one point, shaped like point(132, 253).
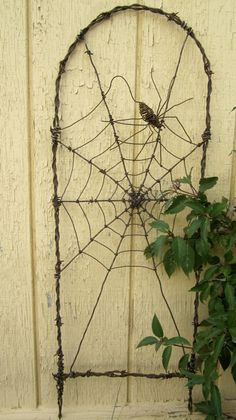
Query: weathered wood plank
point(17, 376)
point(121, 311)
point(55, 26)
point(158, 44)
point(172, 409)
point(215, 26)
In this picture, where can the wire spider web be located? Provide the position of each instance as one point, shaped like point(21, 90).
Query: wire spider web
point(127, 166)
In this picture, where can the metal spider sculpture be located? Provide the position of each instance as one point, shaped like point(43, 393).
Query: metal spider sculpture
point(154, 120)
point(131, 204)
point(136, 199)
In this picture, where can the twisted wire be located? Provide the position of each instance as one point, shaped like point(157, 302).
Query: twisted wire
point(135, 199)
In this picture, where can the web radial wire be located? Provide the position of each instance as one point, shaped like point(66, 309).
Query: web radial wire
point(125, 199)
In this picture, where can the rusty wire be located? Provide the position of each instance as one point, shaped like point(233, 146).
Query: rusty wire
point(136, 200)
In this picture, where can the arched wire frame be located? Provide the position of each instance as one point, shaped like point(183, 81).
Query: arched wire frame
point(136, 199)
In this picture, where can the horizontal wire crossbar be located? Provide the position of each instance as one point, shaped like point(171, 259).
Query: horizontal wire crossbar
point(135, 198)
point(121, 374)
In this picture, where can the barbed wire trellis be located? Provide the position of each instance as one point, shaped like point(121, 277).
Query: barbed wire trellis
point(132, 202)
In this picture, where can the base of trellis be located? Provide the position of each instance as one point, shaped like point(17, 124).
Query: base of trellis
point(167, 410)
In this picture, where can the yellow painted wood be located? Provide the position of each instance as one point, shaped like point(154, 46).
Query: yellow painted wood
point(200, 15)
point(159, 46)
point(17, 356)
point(130, 46)
point(233, 172)
point(172, 409)
point(107, 349)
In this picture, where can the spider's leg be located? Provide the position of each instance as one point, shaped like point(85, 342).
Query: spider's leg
point(127, 84)
point(144, 144)
point(173, 106)
point(177, 135)
point(181, 125)
point(134, 125)
point(124, 119)
point(159, 139)
point(161, 108)
point(157, 91)
point(122, 122)
point(172, 82)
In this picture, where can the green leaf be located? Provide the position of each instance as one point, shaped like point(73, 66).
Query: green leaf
point(183, 254)
point(190, 216)
point(199, 261)
point(156, 327)
point(193, 227)
point(203, 337)
point(205, 228)
point(177, 340)
point(225, 358)
point(210, 273)
point(156, 247)
point(186, 179)
point(230, 295)
point(205, 407)
point(233, 359)
point(227, 270)
point(183, 362)
point(209, 367)
point(228, 256)
point(166, 357)
point(216, 401)
point(169, 262)
point(213, 259)
point(233, 371)
point(218, 321)
point(179, 248)
point(200, 287)
point(216, 288)
point(218, 346)
point(216, 305)
point(231, 318)
point(205, 293)
point(232, 241)
point(233, 334)
point(202, 248)
point(196, 205)
point(188, 262)
point(187, 373)
point(158, 345)
point(207, 183)
point(178, 204)
point(216, 209)
point(160, 225)
point(197, 380)
point(147, 341)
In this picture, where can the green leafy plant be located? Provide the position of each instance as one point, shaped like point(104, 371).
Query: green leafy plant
point(207, 249)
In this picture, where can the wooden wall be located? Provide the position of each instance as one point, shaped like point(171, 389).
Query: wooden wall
point(35, 35)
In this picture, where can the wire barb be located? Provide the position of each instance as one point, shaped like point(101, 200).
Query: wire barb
point(125, 205)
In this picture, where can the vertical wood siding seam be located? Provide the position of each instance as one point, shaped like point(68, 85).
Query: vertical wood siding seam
point(131, 274)
point(31, 192)
point(233, 170)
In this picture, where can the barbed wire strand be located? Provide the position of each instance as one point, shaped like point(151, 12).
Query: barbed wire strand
point(137, 199)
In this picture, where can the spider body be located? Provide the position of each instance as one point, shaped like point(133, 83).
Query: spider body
point(149, 116)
